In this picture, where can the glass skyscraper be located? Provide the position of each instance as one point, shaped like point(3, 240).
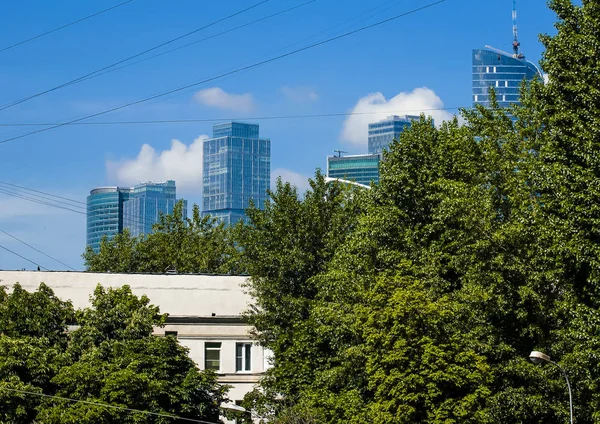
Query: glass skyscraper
point(362, 169)
point(236, 168)
point(503, 72)
point(112, 209)
point(105, 213)
point(382, 133)
point(147, 201)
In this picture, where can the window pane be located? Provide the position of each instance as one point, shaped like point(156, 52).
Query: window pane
point(248, 348)
point(212, 356)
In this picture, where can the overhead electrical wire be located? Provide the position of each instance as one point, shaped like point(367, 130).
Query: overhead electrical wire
point(235, 71)
point(42, 192)
point(107, 405)
point(63, 26)
point(23, 257)
point(198, 41)
point(90, 74)
point(40, 201)
point(37, 250)
point(251, 118)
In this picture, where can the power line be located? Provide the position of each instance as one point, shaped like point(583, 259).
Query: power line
point(41, 202)
point(42, 192)
point(89, 75)
point(198, 41)
point(251, 118)
point(235, 71)
point(23, 257)
point(37, 250)
point(63, 26)
point(106, 405)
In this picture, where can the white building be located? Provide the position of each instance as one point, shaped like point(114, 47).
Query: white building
point(204, 313)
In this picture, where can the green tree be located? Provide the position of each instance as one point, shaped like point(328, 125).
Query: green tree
point(111, 358)
point(188, 245)
point(287, 243)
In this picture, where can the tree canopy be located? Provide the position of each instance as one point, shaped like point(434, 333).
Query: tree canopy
point(110, 358)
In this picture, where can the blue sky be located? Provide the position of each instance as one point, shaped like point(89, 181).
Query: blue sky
point(428, 51)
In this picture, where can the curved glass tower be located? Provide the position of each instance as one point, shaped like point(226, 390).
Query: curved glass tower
point(105, 213)
point(502, 72)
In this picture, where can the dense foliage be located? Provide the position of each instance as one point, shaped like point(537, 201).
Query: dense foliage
point(111, 357)
point(184, 245)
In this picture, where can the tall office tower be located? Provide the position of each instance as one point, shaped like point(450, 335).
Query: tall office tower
point(504, 72)
point(147, 201)
point(382, 133)
point(236, 168)
point(105, 213)
point(362, 169)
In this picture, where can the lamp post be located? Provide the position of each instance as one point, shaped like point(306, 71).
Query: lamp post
point(331, 179)
point(541, 358)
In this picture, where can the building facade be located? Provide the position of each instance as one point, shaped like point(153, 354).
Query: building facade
point(146, 203)
point(236, 169)
point(382, 133)
point(362, 169)
point(504, 73)
point(204, 313)
point(105, 213)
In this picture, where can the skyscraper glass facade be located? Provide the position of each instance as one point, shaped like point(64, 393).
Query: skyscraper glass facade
point(105, 213)
point(362, 169)
point(502, 72)
point(147, 201)
point(236, 168)
point(382, 133)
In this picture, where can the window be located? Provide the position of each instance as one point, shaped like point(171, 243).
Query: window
point(243, 356)
point(212, 356)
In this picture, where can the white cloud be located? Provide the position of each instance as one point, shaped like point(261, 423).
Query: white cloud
point(294, 178)
point(374, 107)
point(181, 163)
point(217, 97)
point(300, 94)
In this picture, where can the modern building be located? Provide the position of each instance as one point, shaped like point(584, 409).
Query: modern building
point(112, 209)
point(504, 72)
point(236, 169)
point(382, 133)
point(146, 203)
point(204, 313)
point(362, 169)
point(105, 213)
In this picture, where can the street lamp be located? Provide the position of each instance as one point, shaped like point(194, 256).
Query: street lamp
point(331, 179)
point(541, 358)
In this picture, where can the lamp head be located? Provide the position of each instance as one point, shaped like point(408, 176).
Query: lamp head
point(539, 357)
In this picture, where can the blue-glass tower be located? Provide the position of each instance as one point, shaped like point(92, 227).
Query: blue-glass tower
point(105, 213)
point(236, 168)
point(362, 169)
point(147, 201)
point(503, 72)
point(382, 133)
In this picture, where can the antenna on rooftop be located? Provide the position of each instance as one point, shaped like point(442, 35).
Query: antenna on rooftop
point(516, 43)
point(339, 152)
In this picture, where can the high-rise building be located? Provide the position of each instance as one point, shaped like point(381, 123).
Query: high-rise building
point(105, 213)
point(362, 169)
point(503, 72)
point(236, 169)
point(147, 201)
point(382, 133)
point(112, 209)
